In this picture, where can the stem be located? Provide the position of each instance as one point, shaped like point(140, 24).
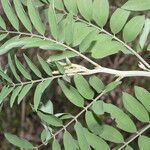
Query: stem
point(100, 70)
point(122, 73)
point(23, 113)
point(84, 71)
point(37, 81)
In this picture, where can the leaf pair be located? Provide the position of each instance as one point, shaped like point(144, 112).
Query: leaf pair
point(25, 73)
point(139, 111)
point(98, 128)
point(84, 89)
point(76, 95)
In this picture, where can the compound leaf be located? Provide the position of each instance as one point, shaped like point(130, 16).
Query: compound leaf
point(19, 142)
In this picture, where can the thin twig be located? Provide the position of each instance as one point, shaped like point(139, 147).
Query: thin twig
point(75, 118)
point(78, 115)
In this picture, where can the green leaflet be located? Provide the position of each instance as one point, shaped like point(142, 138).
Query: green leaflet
point(47, 108)
point(122, 120)
point(30, 42)
point(84, 9)
point(111, 134)
point(5, 76)
point(95, 141)
point(72, 94)
point(33, 67)
point(45, 66)
point(60, 67)
point(81, 30)
point(104, 49)
point(45, 136)
point(11, 43)
point(71, 6)
point(86, 42)
point(35, 17)
point(68, 29)
point(3, 93)
point(137, 5)
point(98, 107)
point(37, 3)
point(100, 12)
point(14, 95)
point(59, 4)
point(62, 25)
point(61, 56)
point(66, 78)
point(12, 67)
point(83, 87)
point(6, 90)
point(121, 16)
point(2, 23)
point(133, 28)
point(128, 148)
point(143, 96)
point(3, 36)
point(53, 22)
point(93, 123)
point(56, 145)
point(22, 69)
point(112, 86)
point(22, 143)
point(83, 143)
point(69, 142)
point(22, 15)
point(65, 116)
point(24, 92)
point(144, 142)
point(96, 84)
point(10, 13)
point(41, 87)
point(145, 33)
point(102, 37)
point(50, 119)
point(139, 111)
